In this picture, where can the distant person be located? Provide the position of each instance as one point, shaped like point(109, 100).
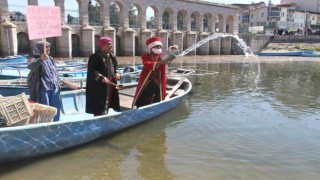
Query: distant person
point(43, 79)
point(102, 69)
point(152, 81)
point(70, 18)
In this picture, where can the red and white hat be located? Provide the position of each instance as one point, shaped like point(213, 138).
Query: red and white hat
point(154, 41)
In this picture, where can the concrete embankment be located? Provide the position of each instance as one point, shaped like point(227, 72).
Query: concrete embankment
point(259, 43)
point(293, 43)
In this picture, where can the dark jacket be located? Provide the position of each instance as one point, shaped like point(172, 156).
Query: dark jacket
point(98, 93)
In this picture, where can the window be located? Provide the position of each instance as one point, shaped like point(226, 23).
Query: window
point(262, 14)
point(251, 15)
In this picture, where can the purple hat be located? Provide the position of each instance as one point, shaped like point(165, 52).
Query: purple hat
point(104, 41)
point(38, 48)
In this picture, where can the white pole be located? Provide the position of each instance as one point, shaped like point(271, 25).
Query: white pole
point(133, 53)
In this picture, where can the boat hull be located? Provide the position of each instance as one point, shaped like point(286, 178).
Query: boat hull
point(293, 53)
point(14, 59)
point(34, 140)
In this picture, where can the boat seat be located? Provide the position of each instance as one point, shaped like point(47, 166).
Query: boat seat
point(73, 102)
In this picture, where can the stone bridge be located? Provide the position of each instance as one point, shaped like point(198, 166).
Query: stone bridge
point(188, 21)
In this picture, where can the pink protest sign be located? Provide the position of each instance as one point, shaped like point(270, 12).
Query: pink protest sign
point(43, 21)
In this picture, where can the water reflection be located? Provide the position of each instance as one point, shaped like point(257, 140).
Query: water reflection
point(108, 158)
point(294, 84)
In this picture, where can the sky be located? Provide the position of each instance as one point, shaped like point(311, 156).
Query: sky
point(243, 1)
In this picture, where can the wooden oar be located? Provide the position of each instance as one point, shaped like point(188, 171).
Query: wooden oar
point(118, 86)
point(175, 88)
point(70, 84)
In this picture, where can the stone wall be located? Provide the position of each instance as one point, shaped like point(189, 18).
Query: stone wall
point(220, 18)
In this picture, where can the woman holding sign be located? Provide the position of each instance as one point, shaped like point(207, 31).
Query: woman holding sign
point(43, 78)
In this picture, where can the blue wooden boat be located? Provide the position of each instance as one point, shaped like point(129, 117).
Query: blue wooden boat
point(14, 73)
point(14, 59)
point(292, 53)
point(295, 53)
point(12, 87)
point(76, 127)
point(9, 72)
point(310, 55)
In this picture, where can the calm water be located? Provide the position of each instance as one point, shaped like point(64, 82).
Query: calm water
point(255, 119)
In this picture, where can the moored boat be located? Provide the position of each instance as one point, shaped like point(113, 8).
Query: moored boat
point(76, 127)
point(12, 87)
point(14, 59)
point(291, 53)
point(294, 53)
point(310, 55)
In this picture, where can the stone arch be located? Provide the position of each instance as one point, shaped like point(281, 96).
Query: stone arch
point(23, 43)
point(15, 12)
point(95, 12)
point(75, 45)
point(120, 17)
point(135, 15)
point(220, 24)
point(195, 21)
point(229, 24)
point(182, 20)
point(167, 18)
point(71, 16)
point(156, 19)
point(208, 22)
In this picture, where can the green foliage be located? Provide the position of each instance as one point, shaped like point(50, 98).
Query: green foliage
point(133, 16)
point(150, 23)
point(165, 20)
point(297, 47)
point(94, 14)
point(114, 15)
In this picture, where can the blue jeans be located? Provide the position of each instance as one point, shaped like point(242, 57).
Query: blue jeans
point(51, 98)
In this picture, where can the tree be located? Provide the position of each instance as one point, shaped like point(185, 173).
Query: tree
point(114, 15)
point(94, 14)
point(133, 12)
point(165, 20)
point(150, 23)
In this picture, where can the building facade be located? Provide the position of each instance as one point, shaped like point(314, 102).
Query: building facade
point(181, 22)
point(281, 16)
point(305, 5)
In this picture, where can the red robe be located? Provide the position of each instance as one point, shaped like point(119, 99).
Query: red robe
point(149, 66)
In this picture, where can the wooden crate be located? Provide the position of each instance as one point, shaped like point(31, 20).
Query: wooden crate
point(15, 109)
point(42, 113)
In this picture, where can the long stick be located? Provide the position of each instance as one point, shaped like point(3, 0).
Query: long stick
point(175, 88)
point(44, 46)
point(70, 84)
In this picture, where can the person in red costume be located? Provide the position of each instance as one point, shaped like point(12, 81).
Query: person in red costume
point(152, 82)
